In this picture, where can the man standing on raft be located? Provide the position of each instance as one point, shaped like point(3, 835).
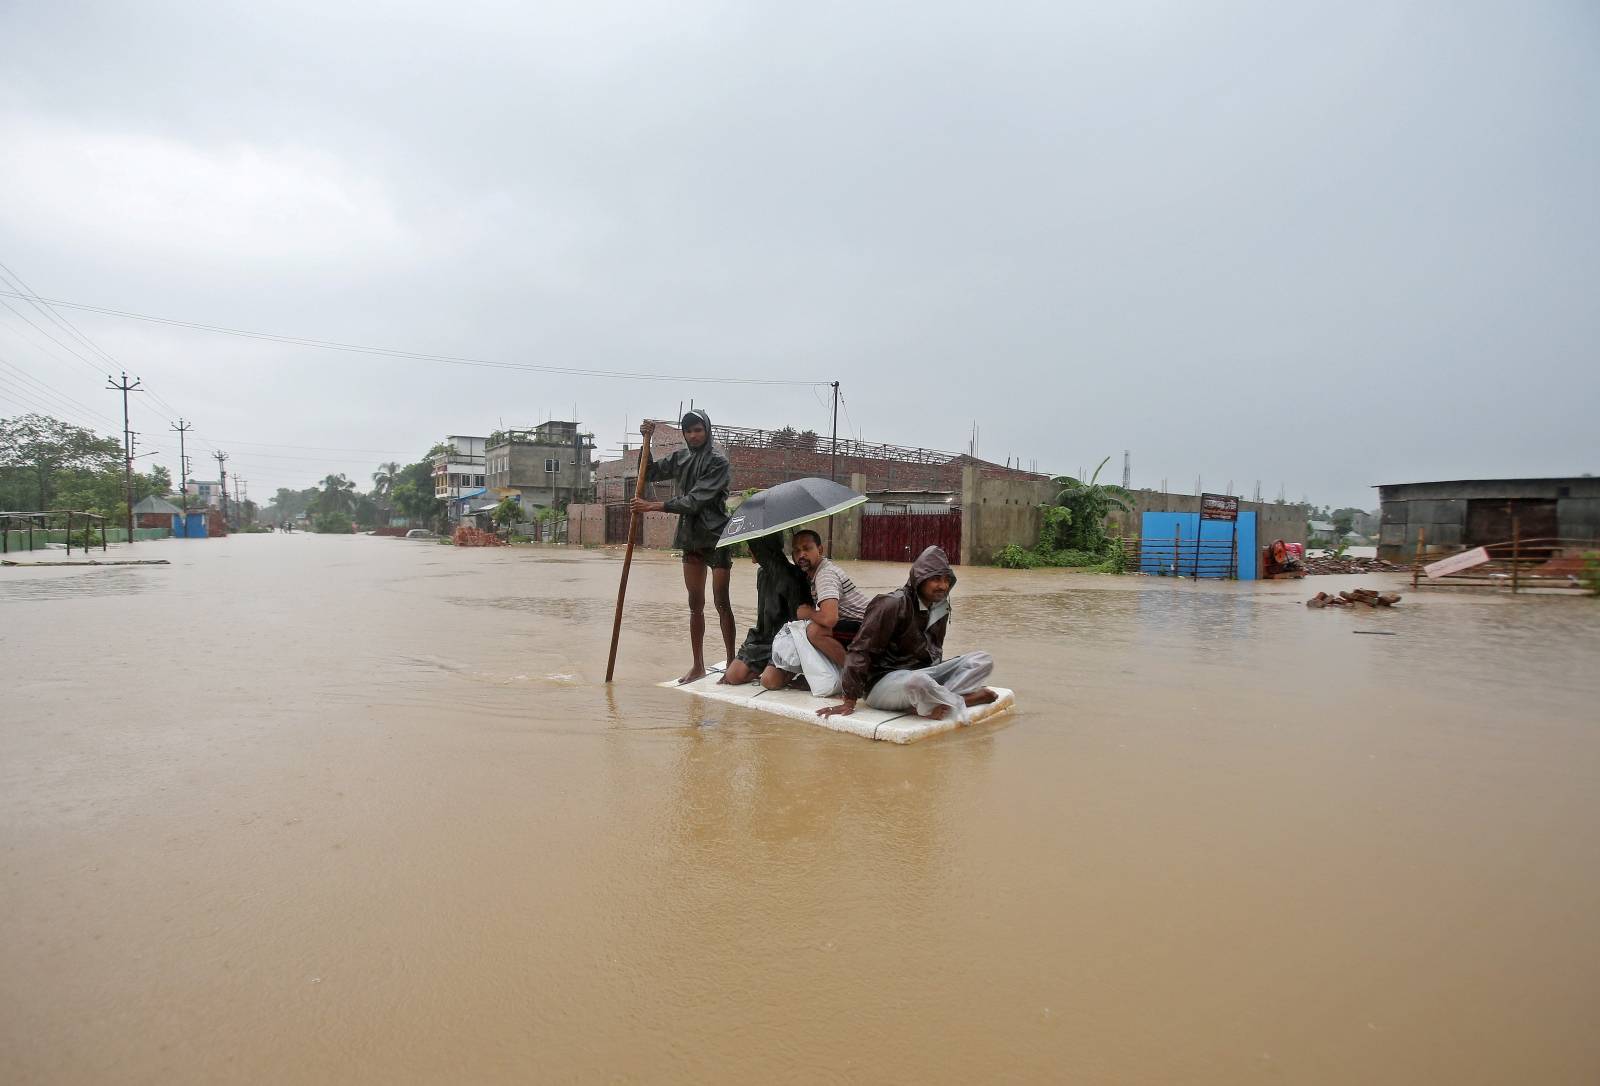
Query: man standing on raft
point(897, 659)
point(701, 472)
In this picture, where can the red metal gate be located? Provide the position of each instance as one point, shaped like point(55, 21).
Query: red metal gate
point(617, 523)
point(900, 537)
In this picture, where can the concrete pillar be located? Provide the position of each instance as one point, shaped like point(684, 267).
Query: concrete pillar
point(847, 526)
point(971, 518)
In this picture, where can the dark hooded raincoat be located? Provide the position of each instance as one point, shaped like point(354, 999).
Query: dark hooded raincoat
point(702, 476)
point(895, 635)
point(780, 590)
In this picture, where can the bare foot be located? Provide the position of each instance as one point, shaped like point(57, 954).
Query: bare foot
point(692, 674)
point(982, 697)
point(938, 712)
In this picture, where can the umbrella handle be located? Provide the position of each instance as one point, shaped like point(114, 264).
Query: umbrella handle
point(627, 556)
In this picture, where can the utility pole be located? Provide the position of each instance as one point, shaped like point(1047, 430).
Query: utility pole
point(1127, 469)
point(222, 458)
point(127, 442)
point(183, 470)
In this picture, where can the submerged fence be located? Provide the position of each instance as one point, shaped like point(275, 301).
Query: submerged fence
point(1520, 565)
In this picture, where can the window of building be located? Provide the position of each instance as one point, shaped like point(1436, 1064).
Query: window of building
point(552, 464)
point(479, 482)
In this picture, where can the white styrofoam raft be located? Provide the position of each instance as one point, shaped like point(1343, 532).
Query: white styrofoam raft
point(906, 727)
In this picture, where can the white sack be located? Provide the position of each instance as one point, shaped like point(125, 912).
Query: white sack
point(793, 652)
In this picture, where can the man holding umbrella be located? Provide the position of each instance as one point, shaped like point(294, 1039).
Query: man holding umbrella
point(701, 473)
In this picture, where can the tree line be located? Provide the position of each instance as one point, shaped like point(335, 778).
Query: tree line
point(47, 464)
point(336, 505)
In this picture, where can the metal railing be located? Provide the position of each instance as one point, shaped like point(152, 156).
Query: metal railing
point(1538, 564)
point(41, 521)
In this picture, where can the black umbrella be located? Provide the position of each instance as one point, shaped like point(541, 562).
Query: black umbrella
point(787, 505)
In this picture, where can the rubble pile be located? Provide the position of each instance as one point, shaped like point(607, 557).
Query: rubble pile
point(1329, 564)
point(1360, 597)
point(468, 536)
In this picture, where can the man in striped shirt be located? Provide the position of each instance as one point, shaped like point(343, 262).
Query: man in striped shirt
point(837, 604)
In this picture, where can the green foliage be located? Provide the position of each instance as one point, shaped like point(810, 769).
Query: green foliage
point(1012, 556)
point(49, 464)
point(1117, 558)
point(1088, 503)
point(331, 523)
point(338, 496)
point(1591, 572)
point(383, 479)
point(508, 512)
point(1055, 529)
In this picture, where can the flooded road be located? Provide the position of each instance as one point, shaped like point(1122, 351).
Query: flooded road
point(346, 809)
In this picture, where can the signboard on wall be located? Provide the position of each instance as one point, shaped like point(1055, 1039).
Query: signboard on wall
point(1477, 556)
point(1219, 507)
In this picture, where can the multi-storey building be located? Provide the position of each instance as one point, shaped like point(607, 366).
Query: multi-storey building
point(461, 470)
point(206, 492)
point(546, 467)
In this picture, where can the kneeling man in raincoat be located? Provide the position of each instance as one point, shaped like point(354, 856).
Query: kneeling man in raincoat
point(897, 659)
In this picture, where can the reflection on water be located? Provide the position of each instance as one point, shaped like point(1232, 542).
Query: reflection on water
point(351, 809)
point(66, 583)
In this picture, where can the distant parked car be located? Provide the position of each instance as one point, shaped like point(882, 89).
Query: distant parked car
point(420, 533)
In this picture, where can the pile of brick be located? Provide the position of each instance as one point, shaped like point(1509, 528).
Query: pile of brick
point(1329, 564)
point(1361, 597)
point(468, 536)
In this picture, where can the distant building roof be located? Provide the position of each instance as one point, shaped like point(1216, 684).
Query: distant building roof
point(153, 504)
point(1323, 526)
point(1516, 479)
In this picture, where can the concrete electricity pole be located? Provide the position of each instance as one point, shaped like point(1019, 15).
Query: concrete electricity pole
point(222, 476)
point(183, 470)
point(127, 443)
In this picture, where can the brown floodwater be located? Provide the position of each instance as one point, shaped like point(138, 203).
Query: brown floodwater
point(316, 809)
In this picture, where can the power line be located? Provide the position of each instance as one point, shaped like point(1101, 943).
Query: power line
point(54, 392)
point(421, 356)
point(29, 321)
point(30, 399)
point(61, 322)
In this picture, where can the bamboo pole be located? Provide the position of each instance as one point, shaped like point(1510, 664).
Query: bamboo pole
point(627, 555)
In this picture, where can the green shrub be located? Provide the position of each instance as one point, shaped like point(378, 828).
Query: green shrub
point(1117, 560)
point(1012, 556)
point(1591, 572)
point(331, 523)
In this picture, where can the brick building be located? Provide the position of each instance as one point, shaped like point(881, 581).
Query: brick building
point(764, 458)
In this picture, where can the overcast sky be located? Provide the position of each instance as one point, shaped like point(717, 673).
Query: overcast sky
point(1321, 246)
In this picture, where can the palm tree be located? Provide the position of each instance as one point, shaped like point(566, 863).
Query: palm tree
point(383, 480)
point(1089, 502)
point(338, 495)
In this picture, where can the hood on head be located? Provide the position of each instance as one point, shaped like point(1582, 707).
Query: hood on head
point(697, 415)
point(931, 563)
point(768, 549)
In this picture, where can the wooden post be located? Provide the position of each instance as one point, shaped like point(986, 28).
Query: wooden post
point(1416, 559)
point(627, 555)
point(69, 536)
point(1516, 548)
